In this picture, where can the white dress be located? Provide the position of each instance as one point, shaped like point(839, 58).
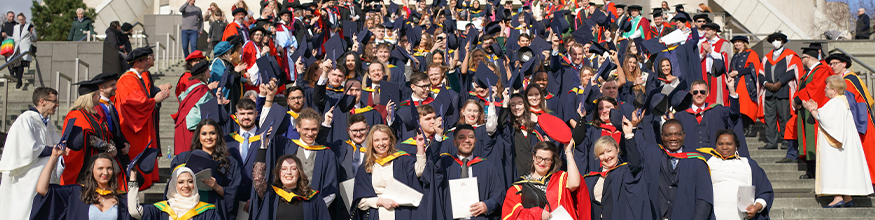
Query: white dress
point(20, 164)
point(841, 164)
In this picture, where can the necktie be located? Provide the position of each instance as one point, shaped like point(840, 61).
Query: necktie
point(356, 158)
point(699, 114)
point(464, 168)
point(245, 146)
point(674, 163)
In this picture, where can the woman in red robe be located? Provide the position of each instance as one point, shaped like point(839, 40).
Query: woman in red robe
point(191, 102)
point(546, 188)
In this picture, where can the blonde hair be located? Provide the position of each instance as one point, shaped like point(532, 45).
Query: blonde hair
point(80, 10)
point(84, 102)
point(746, 46)
point(371, 154)
point(836, 82)
point(602, 144)
point(386, 72)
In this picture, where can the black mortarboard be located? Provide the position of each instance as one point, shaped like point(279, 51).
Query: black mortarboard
point(713, 26)
point(363, 36)
point(841, 57)
point(679, 6)
point(239, 10)
point(472, 36)
point(620, 6)
point(349, 29)
point(657, 103)
point(635, 7)
point(415, 16)
point(811, 51)
point(559, 24)
point(145, 160)
point(68, 131)
point(409, 116)
point(390, 91)
point(702, 16)
point(657, 13)
point(199, 160)
point(200, 68)
point(266, 68)
point(389, 25)
point(507, 14)
point(777, 35)
point(486, 76)
point(600, 18)
point(399, 24)
point(302, 47)
point(616, 118)
point(262, 21)
point(211, 110)
point(539, 44)
point(681, 99)
point(278, 118)
point(492, 28)
point(334, 47)
point(578, 134)
point(138, 53)
point(605, 68)
point(234, 40)
point(597, 48)
point(741, 38)
point(496, 49)
point(444, 104)
point(392, 7)
point(582, 35)
point(256, 29)
point(414, 36)
point(103, 77)
point(452, 41)
point(682, 17)
point(653, 46)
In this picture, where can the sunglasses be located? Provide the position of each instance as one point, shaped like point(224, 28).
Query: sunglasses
point(697, 92)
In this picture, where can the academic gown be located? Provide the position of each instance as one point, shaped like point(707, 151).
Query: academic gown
point(489, 185)
point(314, 207)
point(624, 193)
point(162, 211)
point(574, 99)
point(404, 172)
point(229, 178)
point(626, 92)
point(714, 118)
point(137, 114)
point(563, 75)
point(344, 150)
point(106, 111)
point(65, 202)
point(865, 128)
point(748, 65)
point(189, 109)
point(81, 150)
point(713, 74)
point(811, 87)
point(694, 189)
point(22, 164)
point(182, 83)
point(557, 195)
point(233, 141)
point(719, 169)
point(324, 176)
point(788, 69)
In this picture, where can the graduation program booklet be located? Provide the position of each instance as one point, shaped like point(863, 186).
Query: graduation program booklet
point(560, 214)
point(463, 194)
point(346, 189)
point(402, 194)
point(746, 197)
point(205, 174)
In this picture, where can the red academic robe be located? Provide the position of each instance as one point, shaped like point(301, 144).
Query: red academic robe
point(749, 107)
point(181, 135)
point(793, 64)
point(861, 94)
point(136, 109)
point(231, 30)
point(76, 159)
point(812, 86)
point(656, 32)
point(713, 81)
point(250, 55)
point(576, 203)
point(612, 10)
point(182, 83)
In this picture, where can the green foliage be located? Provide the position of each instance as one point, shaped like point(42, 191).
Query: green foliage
point(53, 18)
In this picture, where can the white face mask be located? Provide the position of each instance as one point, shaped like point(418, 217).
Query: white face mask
point(777, 44)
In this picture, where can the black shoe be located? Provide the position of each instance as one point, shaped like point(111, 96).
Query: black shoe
point(786, 160)
point(769, 147)
point(750, 133)
point(18, 85)
point(806, 177)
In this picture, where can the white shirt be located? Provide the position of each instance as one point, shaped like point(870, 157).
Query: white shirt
point(307, 153)
point(136, 73)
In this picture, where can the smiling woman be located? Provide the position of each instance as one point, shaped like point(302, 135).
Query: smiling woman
point(96, 196)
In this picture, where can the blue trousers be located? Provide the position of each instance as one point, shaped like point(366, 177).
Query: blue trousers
point(189, 38)
point(792, 149)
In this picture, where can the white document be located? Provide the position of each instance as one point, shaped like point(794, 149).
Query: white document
point(463, 194)
point(725, 201)
point(203, 175)
point(560, 214)
point(346, 189)
point(746, 197)
point(674, 37)
point(402, 194)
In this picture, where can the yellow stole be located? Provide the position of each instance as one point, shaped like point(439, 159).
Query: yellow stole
point(197, 210)
point(305, 146)
point(240, 139)
point(383, 161)
point(288, 196)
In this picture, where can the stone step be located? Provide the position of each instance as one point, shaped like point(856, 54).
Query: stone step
point(822, 213)
point(788, 175)
point(783, 167)
point(819, 202)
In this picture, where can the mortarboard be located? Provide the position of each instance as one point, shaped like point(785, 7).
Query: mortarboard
point(211, 110)
point(138, 53)
point(334, 47)
point(616, 118)
point(496, 50)
point(276, 118)
point(492, 28)
point(149, 155)
point(239, 10)
point(777, 35)
point(390, 91)
point(452, 41)
point(811, 51)
point(597, 48)
point(702, 16)
point(741, 38)
point(620, 6)
point(583, 36)
point(414, 35)
point(399, 24)
point(555, 128)
point(559, 24)
point(445, 105)
point(262, 21)
point(199, 160)
point(392, 7)
point(653, 46)
point(389, 25)
point(539, 44)
point(409, 115)
point(841, 57)
point(265, 68)
point(682, 17)
point(68, 130)
point(472, 35)
point(256, 29)
point(635, 7)
point(679, 6)
point(349, 29)
point(364, 36)
point(681, 99)
point(486, 76)
point(712, 26)
point(605, 68)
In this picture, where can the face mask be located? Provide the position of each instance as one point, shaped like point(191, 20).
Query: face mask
point(776, 44)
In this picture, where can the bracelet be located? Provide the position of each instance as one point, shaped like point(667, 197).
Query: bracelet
point(268, 100)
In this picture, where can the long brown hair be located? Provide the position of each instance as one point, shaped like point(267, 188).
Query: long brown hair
point(90, 185)
point(482, 117)
point(371, 154)
point(525, 119)
point(548, 146)
point(220, 151)
point(595, 117)
point(302, 187)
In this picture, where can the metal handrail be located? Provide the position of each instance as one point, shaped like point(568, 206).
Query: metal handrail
point(169, 37)
point(143, 32)
point(178, 51)
point(6, 79)
point(158, 56)
point(19, 57)
point(87, 69)
point(58, 86)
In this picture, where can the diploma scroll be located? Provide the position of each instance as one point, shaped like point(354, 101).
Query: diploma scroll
point(463, 194)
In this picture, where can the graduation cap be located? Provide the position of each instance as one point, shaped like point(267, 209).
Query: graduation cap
point(811, 51)
point(555, 128)
point(559, 24)
point(239, 10)
point(841, 57)
point(211, 110)
point(145, 160)
point(200, 68)
point(349, 28)
point(334, 47)
point(485, 76)
point(88, 86)
point(682, 17)
point(138, 54)
point(539, 44)
point(712, 26)
point(261, 22)
point(392, 7)
point(492, 28)
point(620, 6)
point(409, 116)
point(741, 38)
point(199, 160)
point(363, 35)
point(681, 99)
point(496, 49)
point(415, 17)
point(605, 68)
point(276, 119)
point(398, 24)
point(472, 35)
point(616, 118)
point(266, 70)
point(414, 35)
point(256, 29)
point(702, 16)
point(445, 104)
point(597, 48)
point(578, 134)
point(582, 35)
point(452, 41)
point(653, 46)
point(389, 25)
point(777, 35)
point(390, 91)
point(234, 40)
point(635, 7)
point(600, 18)
point(67, 131)
point(679, 7)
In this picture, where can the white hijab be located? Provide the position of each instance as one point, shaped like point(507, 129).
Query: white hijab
point(177, 202)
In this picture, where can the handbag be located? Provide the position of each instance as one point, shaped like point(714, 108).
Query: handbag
point(7, 47)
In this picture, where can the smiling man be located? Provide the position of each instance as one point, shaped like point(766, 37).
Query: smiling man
point(465, 165)
point(703, 119)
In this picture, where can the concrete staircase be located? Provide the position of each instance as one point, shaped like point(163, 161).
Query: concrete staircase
point(794, 198)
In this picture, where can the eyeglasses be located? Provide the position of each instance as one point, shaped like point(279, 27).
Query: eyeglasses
point(541, 159)
point(258, 35)
point(700, 21)
point(296, 97)
point(697, 92)
point(358, 131)
point(835, 63)
point(423, 86)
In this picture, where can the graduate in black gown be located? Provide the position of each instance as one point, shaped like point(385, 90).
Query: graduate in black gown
point(618, 190)
point(384, 163)
point(289, 195)
point(702, 120)
point(96, 196)
point(677, 181)
point(182, 196)
point(227, 177)
point(464, 164)
point(728, 169)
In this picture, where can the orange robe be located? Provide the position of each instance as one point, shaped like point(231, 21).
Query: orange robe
point(77, 159)
point(861, 94)
point(137, 108)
